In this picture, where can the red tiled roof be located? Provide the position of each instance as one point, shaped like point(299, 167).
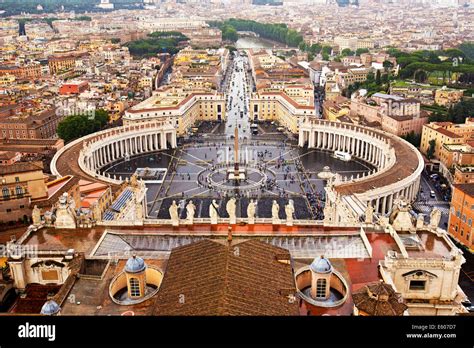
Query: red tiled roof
point(218, 279)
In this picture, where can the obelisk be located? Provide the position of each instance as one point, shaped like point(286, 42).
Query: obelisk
point(236, 152)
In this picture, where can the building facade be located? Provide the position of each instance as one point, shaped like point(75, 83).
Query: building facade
point(461, 214)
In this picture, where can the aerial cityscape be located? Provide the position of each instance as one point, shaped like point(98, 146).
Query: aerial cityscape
point(236, 157)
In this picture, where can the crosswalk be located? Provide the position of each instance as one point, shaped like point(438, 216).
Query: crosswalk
point(426, 208)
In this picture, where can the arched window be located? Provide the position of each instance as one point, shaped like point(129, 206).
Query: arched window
point(134, 287)
point(5, 192)
point(321, 288)
point(19, 190)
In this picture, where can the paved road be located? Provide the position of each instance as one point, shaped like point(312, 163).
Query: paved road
point(425, 203)
point(238, 101)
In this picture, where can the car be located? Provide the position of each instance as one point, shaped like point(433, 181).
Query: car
point(432, 194)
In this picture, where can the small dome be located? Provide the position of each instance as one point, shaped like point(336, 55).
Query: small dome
point(50, 308)
point(134, 265)
point(321, 265)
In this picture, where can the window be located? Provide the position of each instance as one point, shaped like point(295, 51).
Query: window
point(321, 288)
point(417, 285)
point(19, 190)
point(5, 192)
point(134, 287)
point(17, 179)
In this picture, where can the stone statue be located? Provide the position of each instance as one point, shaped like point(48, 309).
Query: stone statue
point(251, 208)
point(435, 218)
point(275, 210)
point(369, 214)
point(190, 210)
point(96, 213)
point(138, 210)
point(36, 216)
point(400, 218)
point(213, 212)
point(174, 214)
point(420, 221)
point(72, 203)
point(289, 210)
point(48, 219)
point(328, 212)
point(64, 216)
point(231, 207)
point(134, 180)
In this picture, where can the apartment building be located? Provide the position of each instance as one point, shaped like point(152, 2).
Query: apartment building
point(448, 96)
point(445, 133)
point(29, 71)
point(28, 123)
point(462, 214)
point(20, 183)
point(180, 108)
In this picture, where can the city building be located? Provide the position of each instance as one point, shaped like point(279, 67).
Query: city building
point(448, 96)
point(73, 87)
point(179, 108)
point(29, 72)
point(20, 122)
point(20, 184)
point(461, 214)
point(444, 133)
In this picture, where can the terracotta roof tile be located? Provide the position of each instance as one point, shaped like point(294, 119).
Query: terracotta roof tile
point(215, 279)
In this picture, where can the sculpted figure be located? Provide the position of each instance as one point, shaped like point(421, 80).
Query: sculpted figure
point(435, 218)
point(369, 214)
point(138, 210)
point(173, 210)
point(231, 208)
point(275, 210)
point(420, 221)
point(251, 208)
point(213, 212)
point(96, 213)
point(289, 211)
point(190, 210)
point(36, 216)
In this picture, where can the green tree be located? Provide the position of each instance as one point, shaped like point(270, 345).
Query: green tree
point(413, 138)
point(359, 51)
point(347, 52)
point(431, 149)
point(378, 80)
point(420, 76)
point(315, 48)
point(76, 126)
point(388, 65)
point(229, 33)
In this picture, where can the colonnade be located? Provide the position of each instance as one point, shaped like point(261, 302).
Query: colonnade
point(363, 147)
point(371, 146)
point(110, 145)
point(111, 150)
point(384, 203)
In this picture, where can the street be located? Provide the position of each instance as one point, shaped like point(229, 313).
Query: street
point(238, 100)
point(425, 203)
